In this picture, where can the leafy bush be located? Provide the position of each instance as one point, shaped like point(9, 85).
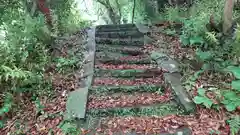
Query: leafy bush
point(24, 52)
point(218, 53)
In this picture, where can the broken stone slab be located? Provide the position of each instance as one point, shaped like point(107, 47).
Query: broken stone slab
point(143, 28)
point(125, 42)
point(157, 55)
point(76, 104)
point(165, 62)
point(170, 65)
point(120, 34)
point(174, 82)
point(147, 40)
point(91, 44)
point(77, 100)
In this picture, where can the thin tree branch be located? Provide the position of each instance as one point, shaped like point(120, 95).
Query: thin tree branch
point(133, 11)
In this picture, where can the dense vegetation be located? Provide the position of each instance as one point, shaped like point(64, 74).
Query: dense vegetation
point(27, 40)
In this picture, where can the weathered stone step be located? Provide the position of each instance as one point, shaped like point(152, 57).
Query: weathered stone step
point(118, 60)
point(150, 110)
point(179, 131)
point(121, 100)
point(126, 66)
point(123, 42)
point(107, 55)
point(111, 81)
point(130, 50)
point(151, 125)
point(121, 27)
point(102, 89)
point(120, 34)
point(128, 73)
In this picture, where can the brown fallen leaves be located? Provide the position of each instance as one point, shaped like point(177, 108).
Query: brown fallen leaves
point(204, 122)
point(137, 81)
point(172, 47)
point(33, 124)
point(123, 100)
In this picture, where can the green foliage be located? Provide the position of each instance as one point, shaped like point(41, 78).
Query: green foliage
point(204, 56)
point(7, 104)
point(64, 63)
point(39, 106)
point(231, 100)
point(202, 99)
point(24, 51)
point(236, 85)
point(234, 123)
point(69, 127)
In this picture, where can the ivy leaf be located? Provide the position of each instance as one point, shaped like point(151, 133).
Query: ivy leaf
point(208, 102)
point(201, 91)
point(236, 85)
point(235, 70)
point(230, 107)
point(230, 95)
point(198, 99)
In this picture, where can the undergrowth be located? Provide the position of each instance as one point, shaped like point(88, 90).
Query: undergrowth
point(218, 53)
point(25, 54)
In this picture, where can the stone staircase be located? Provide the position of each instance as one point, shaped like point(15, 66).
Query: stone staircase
point(127, 80)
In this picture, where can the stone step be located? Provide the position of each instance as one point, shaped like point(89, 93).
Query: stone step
point(128, 73)
point(107, 55)
point(120, 34)
point(126, 66)
point(125, 100)
point(179, 131)
point(112, 81)
point(119, 60)
point(112, 27)
point(150, 125)
point(105, 90)
point(162, 109)
point(130, 50)
point(123, 42)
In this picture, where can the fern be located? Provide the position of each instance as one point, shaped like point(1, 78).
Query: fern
point(234, 123)
point(211, 36)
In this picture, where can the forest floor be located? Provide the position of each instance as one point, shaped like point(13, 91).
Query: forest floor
point(49, 119)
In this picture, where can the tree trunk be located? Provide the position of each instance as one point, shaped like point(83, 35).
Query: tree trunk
point(45, 10)
point(112, 15)
point(133, 11)
point(227, 16)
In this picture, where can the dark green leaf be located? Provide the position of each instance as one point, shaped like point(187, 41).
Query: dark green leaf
point(236, 85)
point(230, 107)
point(196, 40)
point(207, 102)
point(201, 91)
point(199, 100)
point(235, 70)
